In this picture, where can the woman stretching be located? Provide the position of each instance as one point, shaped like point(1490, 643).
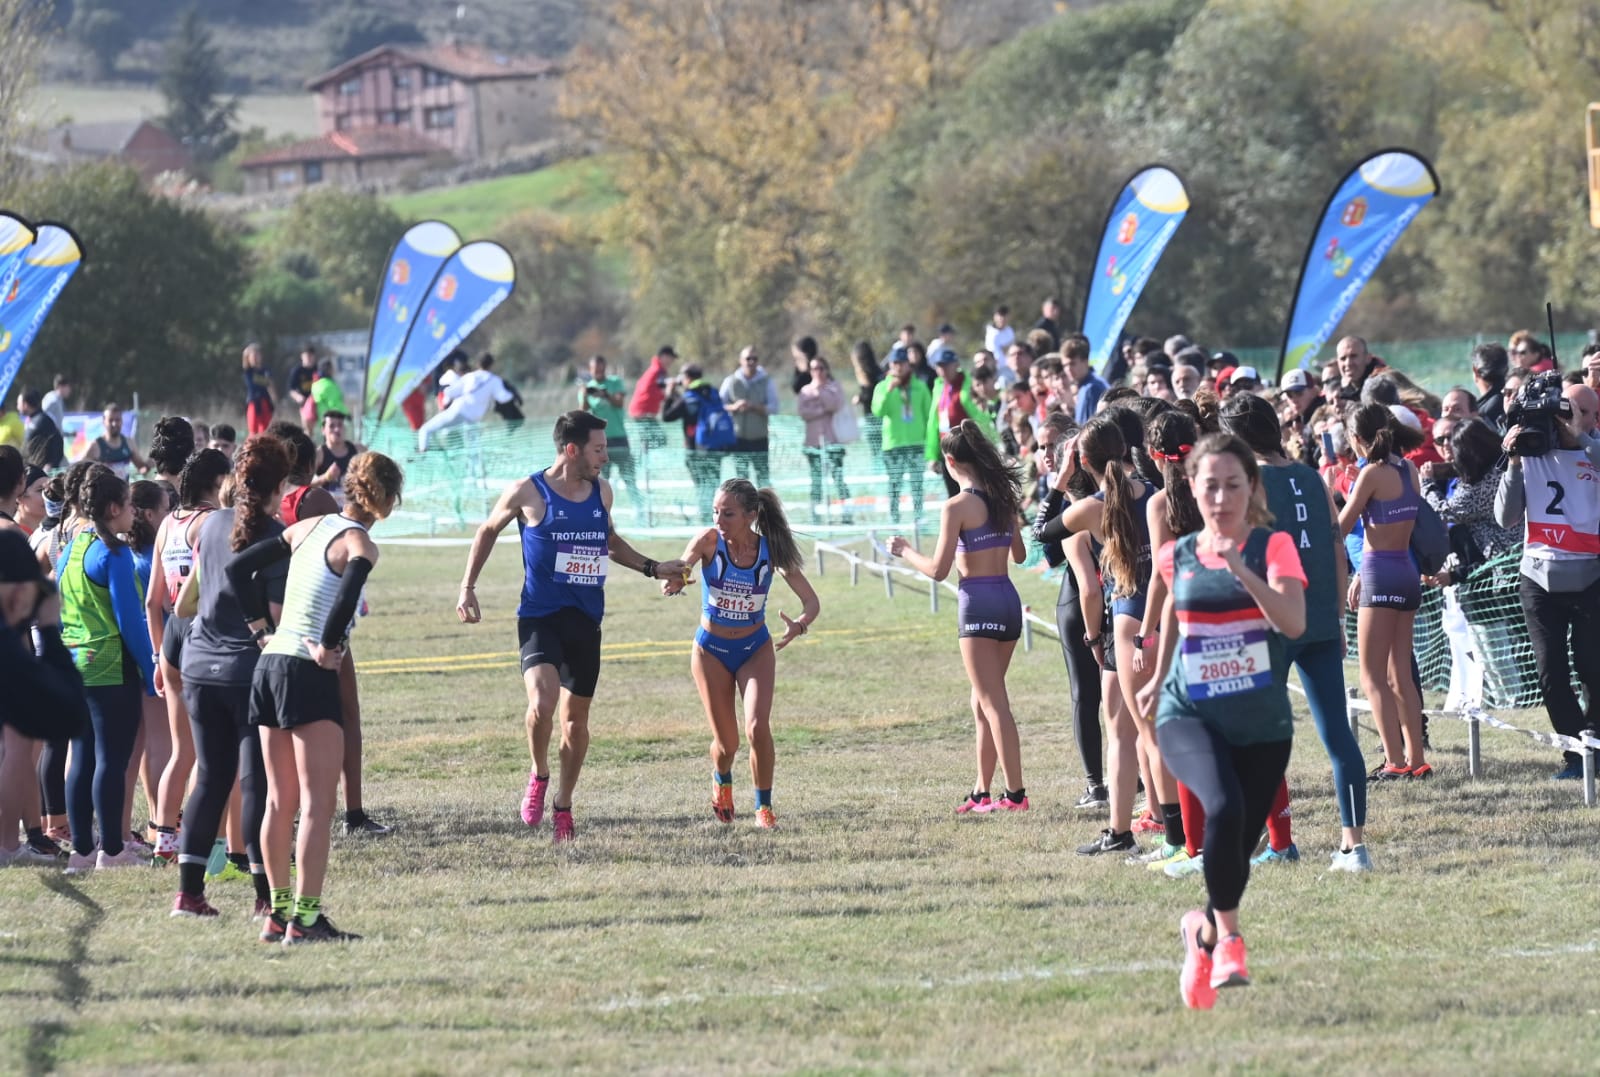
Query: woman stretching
point(1388, 587)
point(199, 494)
point(733, 652)
point(1222, 710)
point(294, 698)
point(977, 528)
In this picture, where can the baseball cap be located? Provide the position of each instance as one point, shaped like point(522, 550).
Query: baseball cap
point(944, 356)
point(17, 562)
point(1294, 381)
point(1223, 377)
point(1223, 359)
point(1406, 416)
point(1243, 373)
point(946, 328)
point(666, 350)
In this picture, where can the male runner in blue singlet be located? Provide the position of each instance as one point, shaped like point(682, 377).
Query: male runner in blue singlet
point(564, 516)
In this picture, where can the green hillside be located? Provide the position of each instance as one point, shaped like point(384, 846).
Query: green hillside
point(579, 188)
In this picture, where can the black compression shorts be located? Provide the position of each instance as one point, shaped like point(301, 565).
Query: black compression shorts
point(287, 692)
point(567, 639)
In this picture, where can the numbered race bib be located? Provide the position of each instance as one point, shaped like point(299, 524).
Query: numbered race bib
point(581, 565)
point(1216, 666)
point(735, 602)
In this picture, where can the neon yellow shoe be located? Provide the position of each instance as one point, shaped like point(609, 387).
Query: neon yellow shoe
point(229, 873)
point(1178, 856)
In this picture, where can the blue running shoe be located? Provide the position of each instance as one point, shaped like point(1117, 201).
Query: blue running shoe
point(1291, 855)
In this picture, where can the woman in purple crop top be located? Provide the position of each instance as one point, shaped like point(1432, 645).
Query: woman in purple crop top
point(979, 526)
point(1388, 587)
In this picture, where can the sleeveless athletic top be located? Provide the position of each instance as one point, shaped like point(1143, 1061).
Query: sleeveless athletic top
point(1397, 510)
point(289, 507)
point(1299, 505)
point(311, 590)
point(177, 556)
point(1229, 670)
point(735, 597)
point(326, 459)
point(993, 535)
point(1141, 521)
point(564, 555)
point(88, 619)
point(118, 460)
point(1563, 491)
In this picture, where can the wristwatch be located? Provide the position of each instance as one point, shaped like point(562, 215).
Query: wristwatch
point(1141, 642)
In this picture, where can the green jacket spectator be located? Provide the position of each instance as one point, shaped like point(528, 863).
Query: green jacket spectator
point(904, 412)
point(941, 417)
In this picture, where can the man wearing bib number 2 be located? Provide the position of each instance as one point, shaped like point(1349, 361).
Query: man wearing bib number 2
point(733, 650)
point(564, 516)
point(1236, 592)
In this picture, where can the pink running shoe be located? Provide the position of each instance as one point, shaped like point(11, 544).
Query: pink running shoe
point(979, 805)
point(533, 800)
point(192, 906)
point(1000, 804)
point(1149, 824)
point(563, 824)
point(1227, 963)
point(1194, 982)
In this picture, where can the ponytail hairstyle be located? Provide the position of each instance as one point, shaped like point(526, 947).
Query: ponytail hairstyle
point(771, 522)
point(1146, 408)
point(202, 474)
point(1207, 408)
point(1378, 429)
point(374, 484)
point(72, 488)
point(1001, 482)
point(1104, 450)
point(259, 470)
point(1228, 445)
point(1172, 437)
point(147, 496)
point(99, 492)
point(1254, 421)
point(172, 445)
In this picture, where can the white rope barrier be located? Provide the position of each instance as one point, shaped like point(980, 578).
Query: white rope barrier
point(1474, 716)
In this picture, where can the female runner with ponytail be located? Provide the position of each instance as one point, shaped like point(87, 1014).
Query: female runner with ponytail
point(1236, 594)
point(1116, 517)
point(199, 494)
point(1385, 499)
point(734, 653)
point(978, 526)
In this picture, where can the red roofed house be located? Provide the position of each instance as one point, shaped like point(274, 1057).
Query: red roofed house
point(149, 149)
point(392, 108)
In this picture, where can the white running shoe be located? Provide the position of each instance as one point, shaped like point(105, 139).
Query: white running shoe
point(1356, 860)
point(24, 857)
point(128, 858)
point(80, 864)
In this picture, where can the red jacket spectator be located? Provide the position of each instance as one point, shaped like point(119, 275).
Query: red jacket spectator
point(650, 391)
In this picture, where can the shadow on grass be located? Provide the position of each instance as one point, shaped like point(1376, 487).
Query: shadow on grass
point(45, 1037)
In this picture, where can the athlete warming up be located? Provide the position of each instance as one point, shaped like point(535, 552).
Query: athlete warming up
point(1236, 591)
point(564, 515)
point(978, 527)
point(295, 701)
point(733, 651)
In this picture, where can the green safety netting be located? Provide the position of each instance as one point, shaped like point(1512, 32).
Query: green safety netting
point(452, 486)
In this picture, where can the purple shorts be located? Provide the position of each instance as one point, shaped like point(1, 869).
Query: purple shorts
point(1389, 580)
point(990, 608)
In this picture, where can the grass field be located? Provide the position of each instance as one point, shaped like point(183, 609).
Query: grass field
point(872, 933)
point(279, 114)
point(577, 188)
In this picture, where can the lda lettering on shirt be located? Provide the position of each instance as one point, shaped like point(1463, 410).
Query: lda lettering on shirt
point(1301, 513)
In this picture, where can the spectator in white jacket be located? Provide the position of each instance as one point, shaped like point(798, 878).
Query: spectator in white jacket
point(467, 400)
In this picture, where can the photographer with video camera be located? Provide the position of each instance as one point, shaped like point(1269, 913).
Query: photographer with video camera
point(1552, 481)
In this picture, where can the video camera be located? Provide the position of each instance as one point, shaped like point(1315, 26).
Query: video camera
point(1535, 409)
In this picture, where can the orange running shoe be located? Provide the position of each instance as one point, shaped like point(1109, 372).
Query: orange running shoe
point(1149, 824)
point(722, 802)
point(1194, 982)
point(764, 818)
point(1227, 963)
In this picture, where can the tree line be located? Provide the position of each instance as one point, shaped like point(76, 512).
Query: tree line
point(838, 168)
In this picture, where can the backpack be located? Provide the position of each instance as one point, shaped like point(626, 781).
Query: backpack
point(713, 426)
point(1430, 540)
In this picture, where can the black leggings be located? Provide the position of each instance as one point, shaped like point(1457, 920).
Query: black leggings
point(1084, 673)
point(53, 777)
point(1552, 615)
point(98, 775)
point(1235, 785)
point(225, 746)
